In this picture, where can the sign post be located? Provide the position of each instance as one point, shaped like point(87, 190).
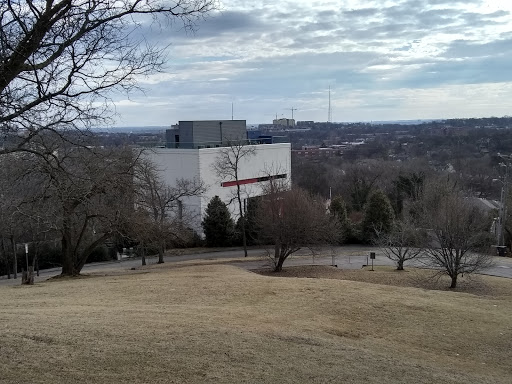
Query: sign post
point(372, 257)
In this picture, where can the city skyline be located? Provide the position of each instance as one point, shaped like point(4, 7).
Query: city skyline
point(383, 60)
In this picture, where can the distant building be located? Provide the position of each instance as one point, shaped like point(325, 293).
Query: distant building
point(316, 153)
point(288, 123)
point(272, 160)
point(205, 133)
point(194, 146)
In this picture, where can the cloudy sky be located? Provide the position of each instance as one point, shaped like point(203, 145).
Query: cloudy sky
point(383, 59)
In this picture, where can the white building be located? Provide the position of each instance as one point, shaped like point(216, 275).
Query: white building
point(176, 163)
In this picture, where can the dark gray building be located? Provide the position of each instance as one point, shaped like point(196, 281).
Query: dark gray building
point(206, 133)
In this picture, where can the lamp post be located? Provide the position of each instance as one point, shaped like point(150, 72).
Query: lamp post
point(503, 208)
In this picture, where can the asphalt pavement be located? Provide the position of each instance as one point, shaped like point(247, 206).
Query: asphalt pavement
point(345, 257)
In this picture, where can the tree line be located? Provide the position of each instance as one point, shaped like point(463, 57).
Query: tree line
point(69, 201)
point(61, 61)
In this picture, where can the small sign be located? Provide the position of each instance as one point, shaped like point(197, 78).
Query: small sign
point(372, 255)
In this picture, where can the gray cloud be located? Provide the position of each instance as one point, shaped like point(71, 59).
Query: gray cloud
point(464, 48)
point(271, 52)
point(362, 12)
point(229, 22)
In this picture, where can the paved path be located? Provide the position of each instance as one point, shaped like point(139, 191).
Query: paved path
point(346, 257)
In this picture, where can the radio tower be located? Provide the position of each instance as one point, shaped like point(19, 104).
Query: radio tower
point(329, 113)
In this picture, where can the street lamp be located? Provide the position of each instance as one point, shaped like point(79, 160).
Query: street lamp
point(501, 247)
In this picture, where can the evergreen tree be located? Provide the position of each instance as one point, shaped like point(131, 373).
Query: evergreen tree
point(252, 227)
point(378, 215)
point(217, 224)
point(338, 208)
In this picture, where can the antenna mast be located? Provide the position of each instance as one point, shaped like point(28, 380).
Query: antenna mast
point(329, 113)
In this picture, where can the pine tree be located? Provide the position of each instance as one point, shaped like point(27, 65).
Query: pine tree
point(338, 208)
point(252, 227)
point(217, 224)
point(378, 215)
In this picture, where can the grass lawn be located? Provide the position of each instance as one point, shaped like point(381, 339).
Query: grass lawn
point(221, 324)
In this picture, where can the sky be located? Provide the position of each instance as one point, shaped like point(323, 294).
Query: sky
point(382, 59)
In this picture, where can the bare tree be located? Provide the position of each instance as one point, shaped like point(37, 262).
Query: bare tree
point(458, 233)
point(227, 167)
point(403, 243)
point(82, 194)
point(160, 210)
point(60, 59)
point(21, 209)
point(292, 219)
point(13, 192)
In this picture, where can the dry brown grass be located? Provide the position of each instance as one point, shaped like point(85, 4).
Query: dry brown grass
point(410, 277)
point(220, 324)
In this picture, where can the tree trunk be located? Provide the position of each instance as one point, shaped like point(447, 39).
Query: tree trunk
point(279, 256)
point(279, 265)
point(68, 269)
point(276, 253)
point(13, 243)
point(143, 254)
point(67, 259)
point(161, 254)
point(27, 277)
point(400, 265)
point(6, 258)
point(242, 218)
point(30, 275)
point(244, 237)
point(67, 252)
point(454, 281)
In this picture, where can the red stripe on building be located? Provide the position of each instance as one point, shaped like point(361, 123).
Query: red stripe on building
point(252, 181)
point(240, 182)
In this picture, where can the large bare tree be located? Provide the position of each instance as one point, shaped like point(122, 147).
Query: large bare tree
point(227, 168)
point(459, 232)
point(59, 59)
point(80, 193)
point(160, 210)
point(291, 219)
